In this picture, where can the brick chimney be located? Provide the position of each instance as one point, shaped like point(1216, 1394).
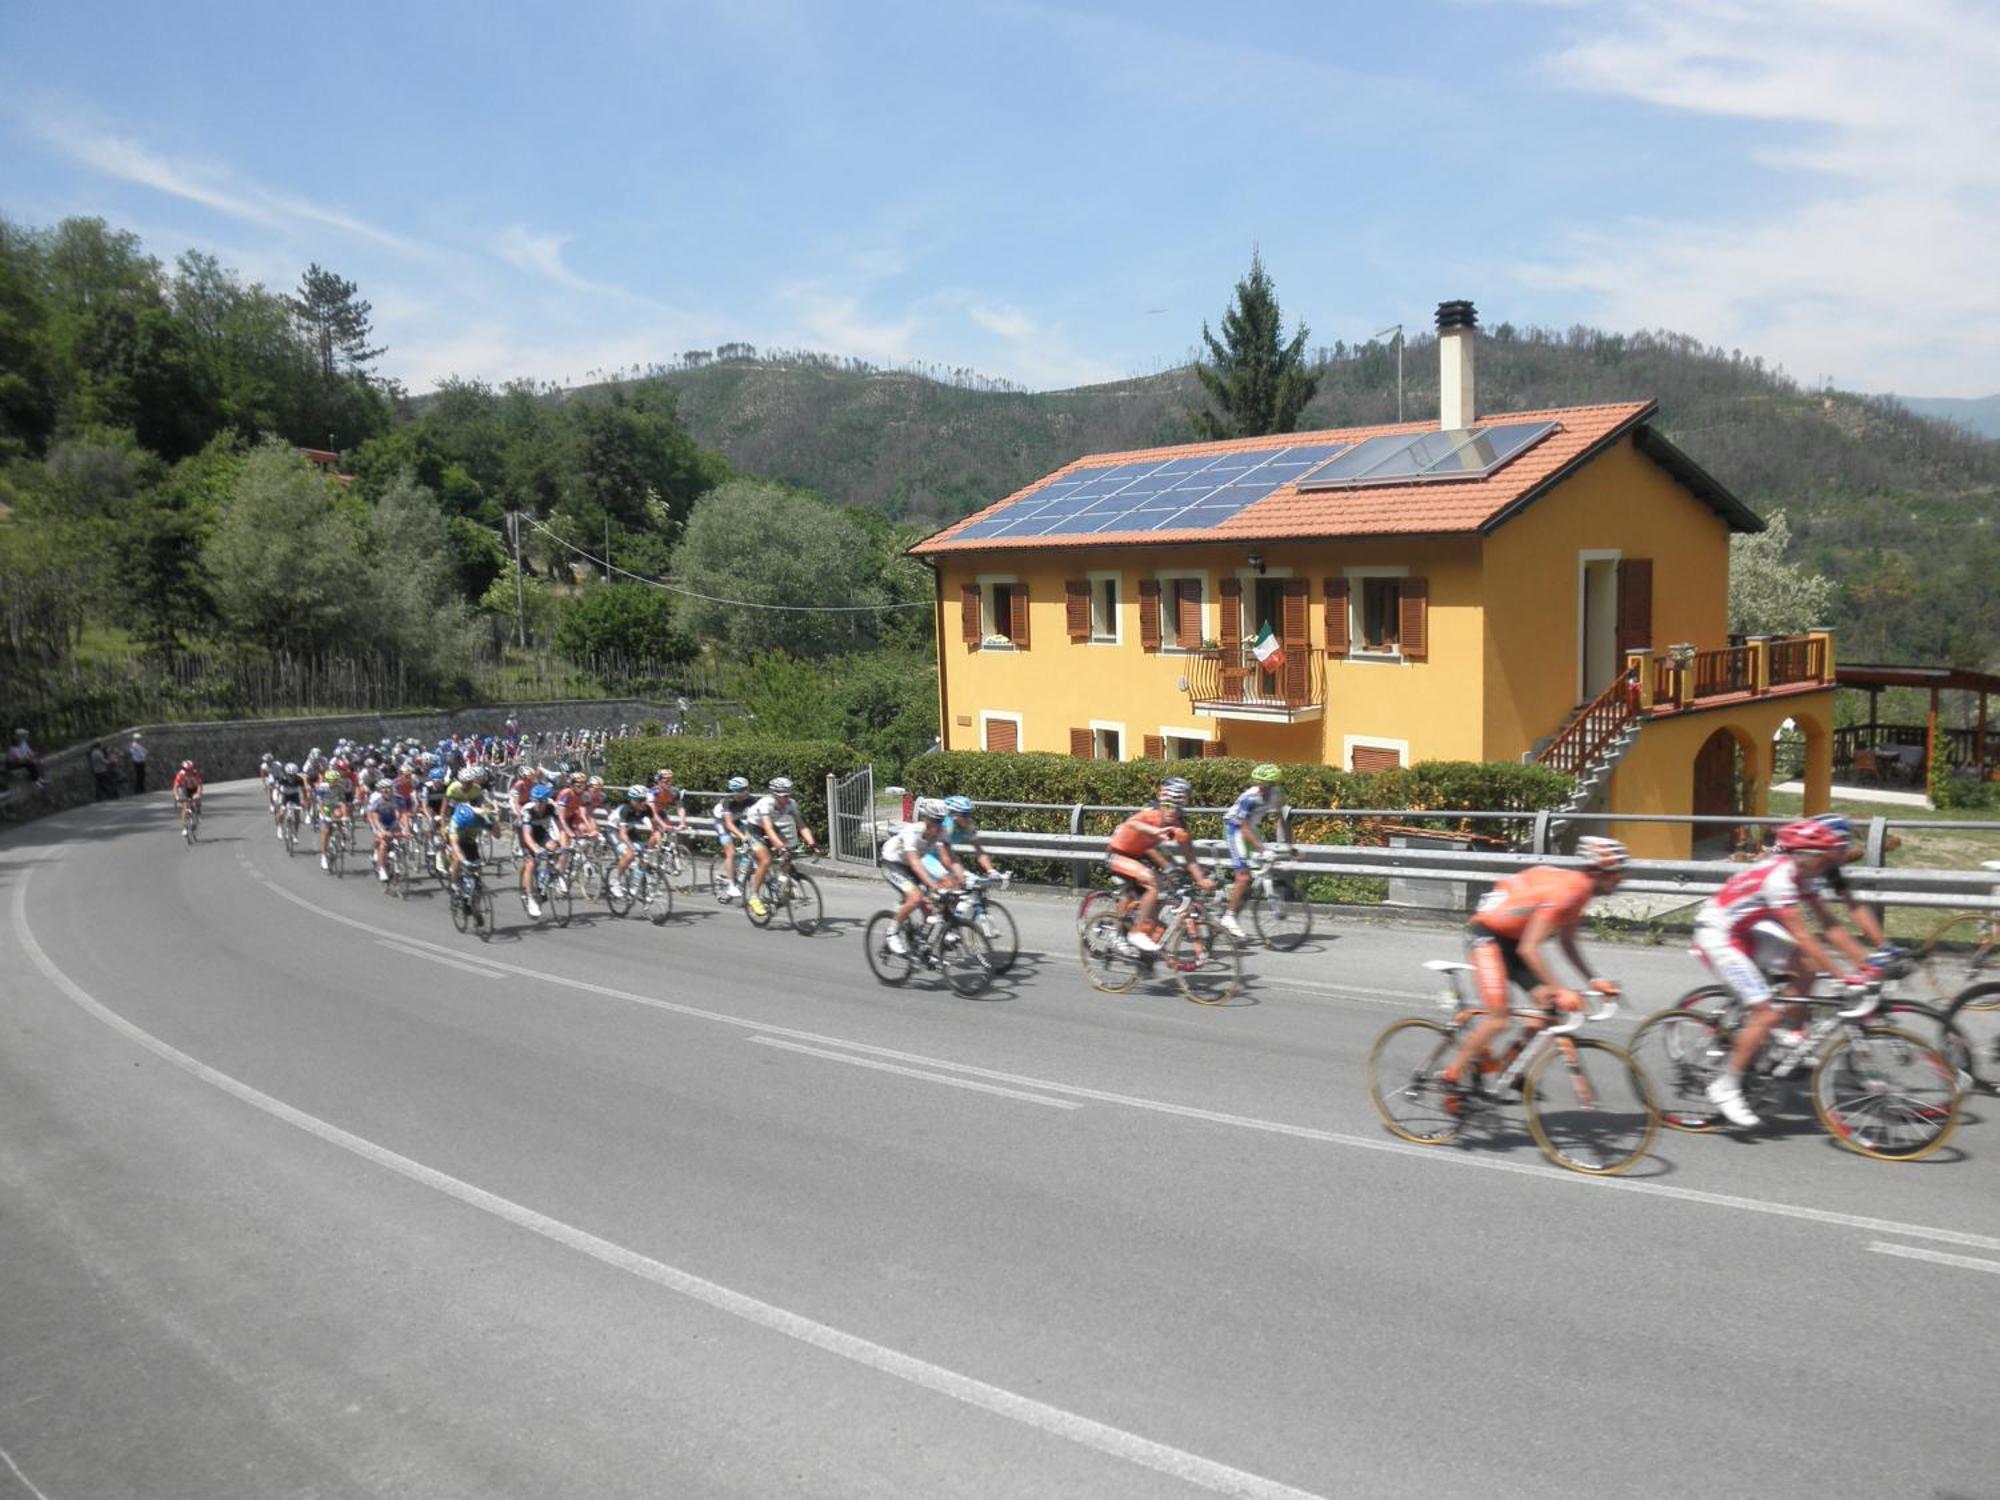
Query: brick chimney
point(1458, 325)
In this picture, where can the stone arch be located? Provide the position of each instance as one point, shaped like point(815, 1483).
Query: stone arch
point(1731, 775)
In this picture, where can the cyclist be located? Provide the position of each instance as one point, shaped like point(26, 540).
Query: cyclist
point(961, 831)
point(267, 777)
point(187, 791)
point(1885, 954)
point(1504, 943)
point(290, 793)
point(1150, 841)
point(541, 836)
point(327, 793)
point(1752, 927)
point(468, 820)
point(766, 822)
point(434, 804)
point(917, 859)
point(667, 801)
point(1240, 825)
point(573, 811)
point(385, 819)
point(732, 811)
point(634, 826)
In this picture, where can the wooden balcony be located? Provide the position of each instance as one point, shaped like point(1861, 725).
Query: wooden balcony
point(1230, 684)
point(1760, 667)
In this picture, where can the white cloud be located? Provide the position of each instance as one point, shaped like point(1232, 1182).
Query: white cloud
point(1876, 272)
point(1040, 357)
point(829, 319)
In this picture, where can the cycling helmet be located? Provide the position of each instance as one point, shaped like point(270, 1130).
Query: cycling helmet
point(636, 793)
point(291, 768)
point(780, 784)
point(577, 778)
point(663, 774)
point(1606, 856)
point(930, 810)
point(437, 775)
point(959, 806)
point(1809, 837)
point(187, 765)
point(1175, 791)
point(739, 783)
point(542, 791)
point(597, 781)
point(1266, 774)
point(1837, 823)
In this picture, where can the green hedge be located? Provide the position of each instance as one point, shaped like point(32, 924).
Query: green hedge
point(1493, 786)
point(704, 765)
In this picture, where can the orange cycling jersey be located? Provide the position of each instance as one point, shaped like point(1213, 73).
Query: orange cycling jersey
point(1512, 904)
point(1144, 831)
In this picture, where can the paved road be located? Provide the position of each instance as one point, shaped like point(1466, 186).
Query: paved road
point(302, 1194)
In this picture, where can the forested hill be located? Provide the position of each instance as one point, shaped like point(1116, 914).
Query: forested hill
point(1900, 510)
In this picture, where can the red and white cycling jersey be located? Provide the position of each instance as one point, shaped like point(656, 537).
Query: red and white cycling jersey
point(1754, 895)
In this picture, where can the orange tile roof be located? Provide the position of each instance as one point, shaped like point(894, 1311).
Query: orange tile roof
point(1434, 508)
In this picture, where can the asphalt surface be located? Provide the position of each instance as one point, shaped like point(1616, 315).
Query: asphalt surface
point(302, 1193)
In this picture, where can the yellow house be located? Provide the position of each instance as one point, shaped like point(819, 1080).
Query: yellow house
point(1543, 585)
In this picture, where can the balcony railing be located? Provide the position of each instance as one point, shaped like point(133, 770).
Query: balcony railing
point(1230, 683)
point(1776, 664)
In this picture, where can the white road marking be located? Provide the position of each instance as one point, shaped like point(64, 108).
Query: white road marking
point(1113, 1441)
point(470, 966)
point(27, 1483)
point(1535, 1170)
point(1937, 1257)
point(889, 1067)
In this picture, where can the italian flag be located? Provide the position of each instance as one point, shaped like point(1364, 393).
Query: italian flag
point(1270, 655)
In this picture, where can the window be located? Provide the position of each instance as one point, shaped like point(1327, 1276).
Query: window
point(1365, 753)
point(1186, 746)
point(999, 611)
point(1107, 744)
point(1000, 731)
point(1104, 609)
point(1183, 618)
point(1381, 614)
point(1002, 607)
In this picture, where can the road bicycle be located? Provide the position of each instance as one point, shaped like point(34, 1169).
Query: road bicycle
point(1588, 1104)
point(553, 894)
point(1203, 959)
point(994, 922)
point(947, 943)
point(400, 860)
point(786, 893)
point(472, 901)
point(288, 827)
point(646, 885)
point(724, 865)
point(1877, 1089)
point(1974, 1018)
point(1960, 951)
point(190, 820)
point(335, 852)
point(1283, 918)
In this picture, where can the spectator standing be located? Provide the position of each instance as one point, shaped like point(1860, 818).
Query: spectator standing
point(138, 755)
point(103, 786)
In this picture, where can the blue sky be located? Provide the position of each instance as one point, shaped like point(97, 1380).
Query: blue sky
point(1054, 193)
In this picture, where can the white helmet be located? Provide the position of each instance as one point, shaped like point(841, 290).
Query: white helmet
point(780, 784)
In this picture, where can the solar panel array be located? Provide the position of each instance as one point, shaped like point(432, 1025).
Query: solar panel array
point(1189, 492)
point(1407, 458)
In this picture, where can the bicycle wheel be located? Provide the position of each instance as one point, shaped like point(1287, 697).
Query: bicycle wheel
point(1092, 903)
point(1937, 1026)
point(1589, 1107)
point(560, 902)
point(885, 965)
point(589, 877)
point(762, 898)
point(336, 853)
point(677, 864)
point(1207, 963)
point(1003, 938)
point(1103, 965)
point(1962, 950)
point(1974, 1019)
point(803, 908)
point(1681, 1052)
point(620, 904)
point(1886, 1094)
point(482, 906)
point(658, 896)
point(399, 871)
point(1282, 918)
point(965, 959)
point(290, 835)
point(1403, 1082)
point(461, 911)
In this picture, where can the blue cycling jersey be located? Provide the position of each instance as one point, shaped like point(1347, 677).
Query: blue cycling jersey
point(1257, 803)
point(959, 831)
point(465, 815)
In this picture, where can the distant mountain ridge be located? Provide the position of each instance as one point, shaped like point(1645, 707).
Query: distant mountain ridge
point(1980, 414)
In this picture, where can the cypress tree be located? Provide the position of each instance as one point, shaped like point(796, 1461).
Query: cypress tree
point(1256, 383)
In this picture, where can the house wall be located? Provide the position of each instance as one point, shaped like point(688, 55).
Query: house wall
point(1056, 686)
point(1620, 502)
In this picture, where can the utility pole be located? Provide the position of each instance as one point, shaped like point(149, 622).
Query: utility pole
point(607, 546)
point(520, 601)
point(1397, 329)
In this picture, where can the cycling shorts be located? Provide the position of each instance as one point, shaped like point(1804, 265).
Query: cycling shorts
point(387, 821)
point(289, 796)
point(186, 793)
point(468, 846)
point(1746, 963)
point(1496, 963)
point(1239, 848)
point(1138, 871)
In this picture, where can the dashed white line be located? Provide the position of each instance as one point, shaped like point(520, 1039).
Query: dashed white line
point(1081, 1430)
point(888, 1067)
point(1937, 1257)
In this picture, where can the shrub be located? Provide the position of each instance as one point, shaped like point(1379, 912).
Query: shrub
point(704, 765)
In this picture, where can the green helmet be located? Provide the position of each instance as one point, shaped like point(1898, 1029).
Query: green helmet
point(1266, 774)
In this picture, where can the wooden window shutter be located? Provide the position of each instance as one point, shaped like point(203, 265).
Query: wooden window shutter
point(1374, 758)
point(1003, 735)
point(1076, 604)
point(968, 613)
point(1294, 634)
point(1187, 612)
point(1149, 614)
point(1336, 617)
point(1230, 592)
point(1017, 614)
point(1635, 606)
point(1213, 750)
point(1156, 747)
point(1413, 608)
point(1082, 744)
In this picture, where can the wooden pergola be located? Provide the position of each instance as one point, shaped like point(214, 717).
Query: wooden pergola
point(1934, 680)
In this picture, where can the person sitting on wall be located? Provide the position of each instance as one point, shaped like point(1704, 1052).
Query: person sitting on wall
point(21, 757)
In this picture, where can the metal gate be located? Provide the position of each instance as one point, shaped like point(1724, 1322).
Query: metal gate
point(852, 834)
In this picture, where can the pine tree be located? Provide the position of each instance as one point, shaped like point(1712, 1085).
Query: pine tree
point(1256, 384)
point(335, 321)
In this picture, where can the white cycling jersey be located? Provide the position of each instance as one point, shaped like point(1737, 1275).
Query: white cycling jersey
point(782, 811)
point(907, 840)
point(1753, 895)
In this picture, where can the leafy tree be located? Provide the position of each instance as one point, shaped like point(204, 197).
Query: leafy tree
point(1256, 383)
point(286, 556)
point(628, 620)
point(1767, 595)
point(752, 544)
point(414, 609)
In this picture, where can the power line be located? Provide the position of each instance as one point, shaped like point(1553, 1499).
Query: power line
point(672, 588)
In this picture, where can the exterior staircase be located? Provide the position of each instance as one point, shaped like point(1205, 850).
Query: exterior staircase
point(1589, 746)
